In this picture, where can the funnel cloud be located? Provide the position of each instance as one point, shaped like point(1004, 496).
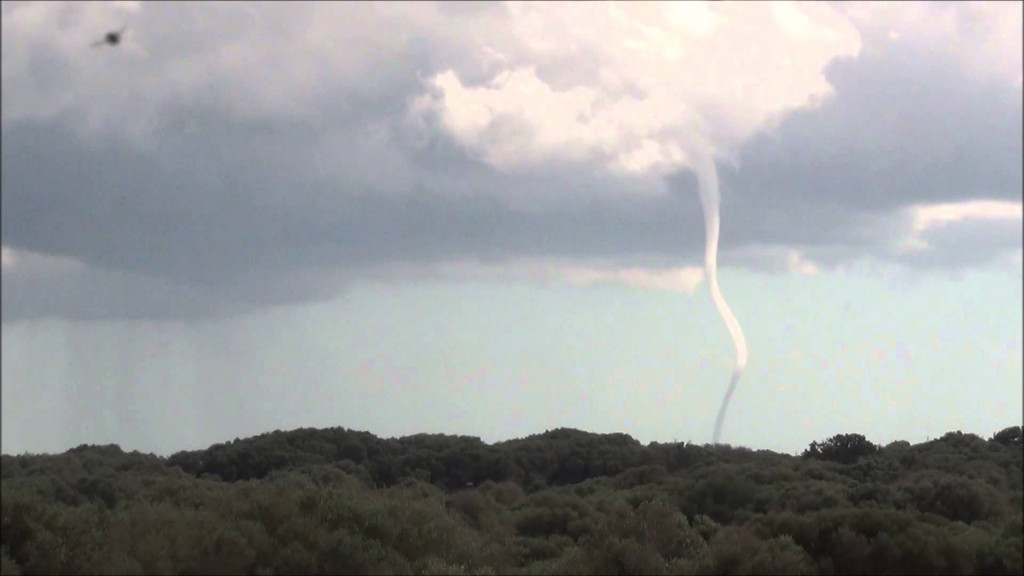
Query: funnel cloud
point(710, 200)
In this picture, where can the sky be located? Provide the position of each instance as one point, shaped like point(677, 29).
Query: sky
point(483, 219)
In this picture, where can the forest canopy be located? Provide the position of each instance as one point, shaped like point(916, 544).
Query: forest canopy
point(339, 501)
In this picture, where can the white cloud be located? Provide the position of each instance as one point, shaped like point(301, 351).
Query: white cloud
point(684, 279)
point(694, 18)
point(773, 259)
point(25, 263)
point(518, 119)
point(657, 84)
point(798, 264)
point(127, 5)
point(927, 217)
point(7, 258)
point(930, 216)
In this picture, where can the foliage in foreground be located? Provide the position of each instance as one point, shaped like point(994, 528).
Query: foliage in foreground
point(337, 501)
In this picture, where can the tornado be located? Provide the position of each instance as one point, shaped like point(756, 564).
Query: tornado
point(710, 199)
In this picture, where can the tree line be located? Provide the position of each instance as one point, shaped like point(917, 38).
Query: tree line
point(339, 501)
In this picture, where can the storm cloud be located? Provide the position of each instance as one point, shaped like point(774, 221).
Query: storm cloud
point(236, 157)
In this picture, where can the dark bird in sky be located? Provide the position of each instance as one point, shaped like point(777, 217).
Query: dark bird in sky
point(112, 38)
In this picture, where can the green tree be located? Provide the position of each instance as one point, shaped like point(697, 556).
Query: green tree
point(842, 448)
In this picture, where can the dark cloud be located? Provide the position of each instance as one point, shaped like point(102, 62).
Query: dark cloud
point(113, 210)
point(903, 127)
point(93, 294)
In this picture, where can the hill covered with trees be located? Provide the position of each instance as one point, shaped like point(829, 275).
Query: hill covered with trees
point(338, 501)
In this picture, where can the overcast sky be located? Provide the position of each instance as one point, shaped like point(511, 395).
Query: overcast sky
point(482, 219)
